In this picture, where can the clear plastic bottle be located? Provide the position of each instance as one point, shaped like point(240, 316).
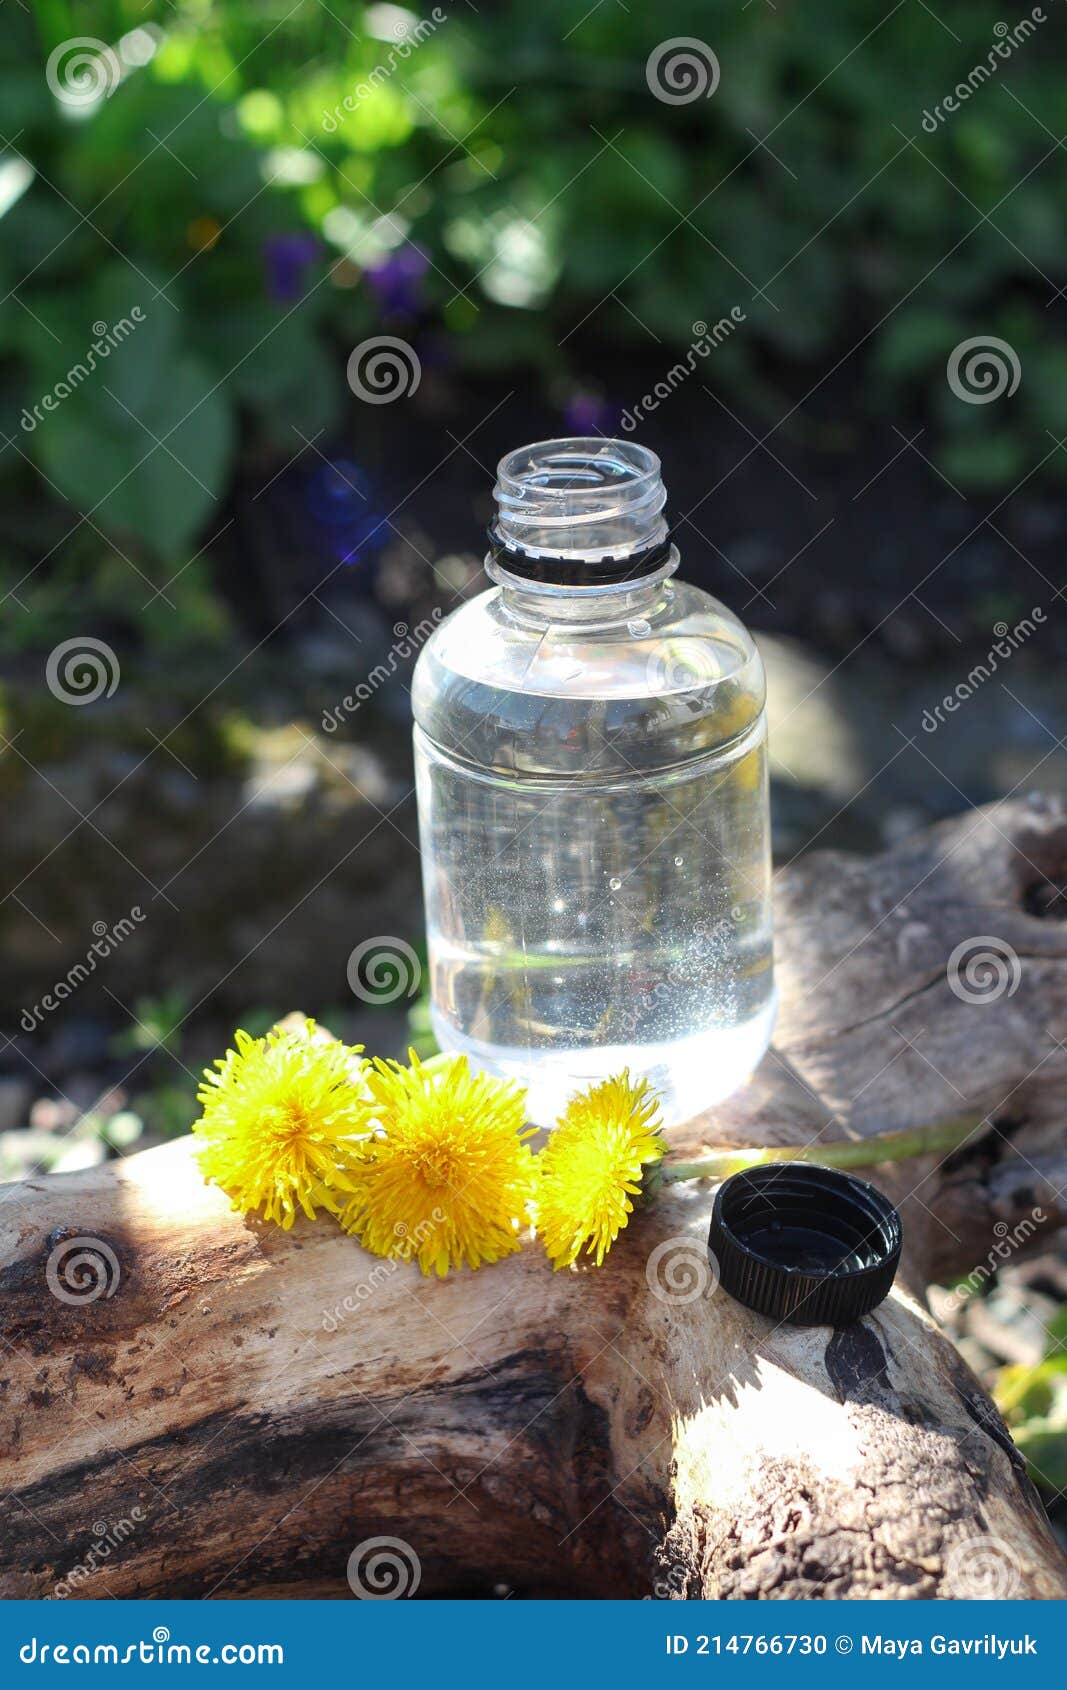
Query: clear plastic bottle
point(591, 762)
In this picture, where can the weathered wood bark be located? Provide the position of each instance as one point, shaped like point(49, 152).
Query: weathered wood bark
point(249, 1406)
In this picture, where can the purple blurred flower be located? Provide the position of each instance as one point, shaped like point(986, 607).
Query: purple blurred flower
point(340, 501)
point(285, 258)
point(587, 413)
point(397, 281)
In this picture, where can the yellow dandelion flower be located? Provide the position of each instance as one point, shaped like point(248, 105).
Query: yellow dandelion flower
point(285, 1118)
point(593, 1165)
point(448, 1178)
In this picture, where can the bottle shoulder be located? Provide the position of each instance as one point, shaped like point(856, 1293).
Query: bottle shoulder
point(503, 690)
point(684, 641)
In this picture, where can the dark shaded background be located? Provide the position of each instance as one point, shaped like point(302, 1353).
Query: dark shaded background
point(244, 538)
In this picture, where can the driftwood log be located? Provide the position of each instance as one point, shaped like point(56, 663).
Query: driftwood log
point(248, 1408)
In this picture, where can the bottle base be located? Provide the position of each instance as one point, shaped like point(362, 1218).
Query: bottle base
point(688, 1074)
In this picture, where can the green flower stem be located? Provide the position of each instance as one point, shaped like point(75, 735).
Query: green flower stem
point(935, 1140)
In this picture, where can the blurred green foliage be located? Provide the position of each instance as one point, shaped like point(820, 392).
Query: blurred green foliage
point(1033, 1401)
point(222, 185)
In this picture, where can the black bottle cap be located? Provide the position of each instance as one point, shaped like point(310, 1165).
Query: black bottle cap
point(805, 1244)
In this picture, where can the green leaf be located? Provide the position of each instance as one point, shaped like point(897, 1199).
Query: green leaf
point(154, 472)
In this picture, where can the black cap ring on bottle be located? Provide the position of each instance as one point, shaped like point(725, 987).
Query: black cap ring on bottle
point(805, 1244)
point(553, 570)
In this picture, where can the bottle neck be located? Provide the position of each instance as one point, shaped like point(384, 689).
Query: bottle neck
point(541, 604)
point(580, 533)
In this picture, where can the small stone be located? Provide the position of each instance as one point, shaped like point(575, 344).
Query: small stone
point(52, 1115)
